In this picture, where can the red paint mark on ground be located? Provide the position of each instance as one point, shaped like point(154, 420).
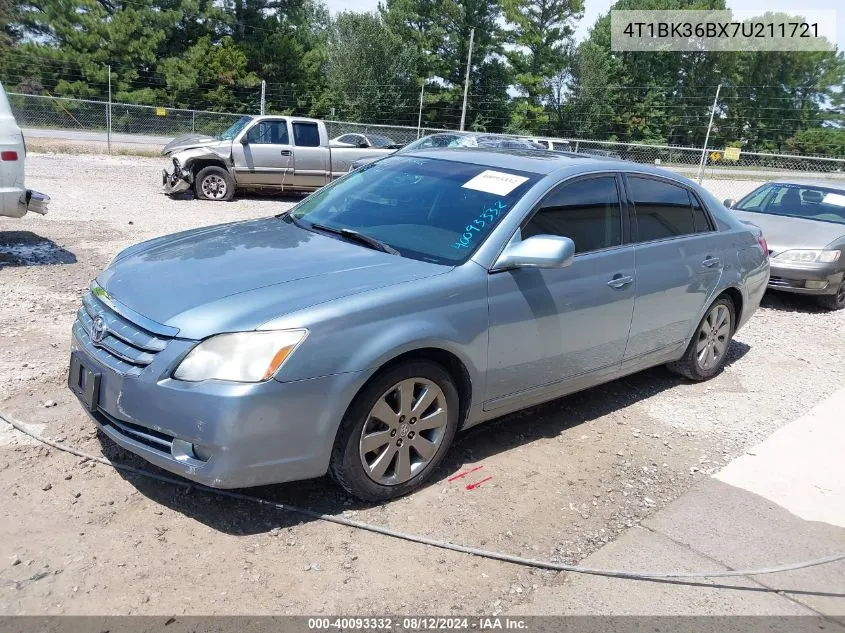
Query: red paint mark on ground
point(465, 473)
point(478, 483)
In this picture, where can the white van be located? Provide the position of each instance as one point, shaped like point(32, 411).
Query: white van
point(15, 198)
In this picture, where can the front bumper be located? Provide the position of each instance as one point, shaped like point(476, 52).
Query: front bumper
point(33, 201)
point(177, 182)
point(220, 434)
point(821, 279)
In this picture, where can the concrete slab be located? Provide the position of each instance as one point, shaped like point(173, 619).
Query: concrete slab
point(745, 531)
point(641, 549)
point(801, 467)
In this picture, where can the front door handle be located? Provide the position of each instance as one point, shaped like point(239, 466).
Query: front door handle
point(620, 281)
point(285, 152)
point(711, 262)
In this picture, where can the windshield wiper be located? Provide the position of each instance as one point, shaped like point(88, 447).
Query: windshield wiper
point(366, 240)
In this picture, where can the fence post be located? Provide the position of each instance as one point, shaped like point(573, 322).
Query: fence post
point(419, 120)
point(707, 136)
point(263, 89)
point(576, 146)
point(193, 121)
point(466, 81)
point(108, 114)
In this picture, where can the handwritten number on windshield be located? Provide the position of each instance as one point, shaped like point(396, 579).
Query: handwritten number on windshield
point(473, 229)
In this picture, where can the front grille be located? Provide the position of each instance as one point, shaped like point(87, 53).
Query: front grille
point(125, 347)
point(148, 437)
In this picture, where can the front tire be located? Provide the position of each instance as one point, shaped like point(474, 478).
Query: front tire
point(833, 302)
point(396, 431)
point(214, 183)
point(708, 350)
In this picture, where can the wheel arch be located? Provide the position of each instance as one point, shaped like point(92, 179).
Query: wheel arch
point(447, 359)
point(198, 164)
point(736, 298)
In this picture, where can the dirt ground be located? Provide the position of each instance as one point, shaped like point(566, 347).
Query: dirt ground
point(566, 478)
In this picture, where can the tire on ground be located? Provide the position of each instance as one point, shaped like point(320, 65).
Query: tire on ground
point(346, 467)
point(688, 366)
point(833, 302)
point(210, 172)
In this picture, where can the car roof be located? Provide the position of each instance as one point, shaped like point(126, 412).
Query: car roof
point(541, 161)
point(812, 182)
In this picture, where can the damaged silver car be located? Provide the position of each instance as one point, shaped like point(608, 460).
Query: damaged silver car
point(275, 153)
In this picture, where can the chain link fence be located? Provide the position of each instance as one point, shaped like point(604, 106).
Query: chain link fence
point(727, 172)
point(61, 113)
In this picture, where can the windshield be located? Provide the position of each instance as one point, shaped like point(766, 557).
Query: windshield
point(236, 127)
point(797, 201)
point(376, 140)
point(435, 140)
point(433, 210)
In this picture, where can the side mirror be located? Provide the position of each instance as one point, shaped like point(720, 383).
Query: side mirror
point(729, 203)
point(363, 145)
point(244, 140)
point(540, 251)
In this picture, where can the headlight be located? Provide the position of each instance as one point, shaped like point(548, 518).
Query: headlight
point(809, 256)
point(241, 357)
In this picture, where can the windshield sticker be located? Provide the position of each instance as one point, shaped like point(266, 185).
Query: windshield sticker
point(495, 182)
point(484, 219)
point(834, 198)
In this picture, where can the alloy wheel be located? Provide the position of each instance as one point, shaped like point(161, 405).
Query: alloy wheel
point(403, 431)
point(214, 187)
point(713, 337)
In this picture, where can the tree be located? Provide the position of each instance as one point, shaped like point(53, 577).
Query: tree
point(666, 97)
point(370, 71)
point(439, 30)
point(542, 34)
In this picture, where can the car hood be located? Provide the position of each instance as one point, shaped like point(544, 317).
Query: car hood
point(189, 141)
point(236, 277)
point(783, 233)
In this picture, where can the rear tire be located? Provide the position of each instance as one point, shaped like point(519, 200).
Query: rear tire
point(833, 302)
point(708, 350)
point(214, 183)
point(396, 431)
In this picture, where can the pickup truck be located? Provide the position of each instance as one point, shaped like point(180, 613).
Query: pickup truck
point(282, 153)
point(15, 198)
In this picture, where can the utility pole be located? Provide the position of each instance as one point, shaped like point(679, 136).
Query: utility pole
point(263, 91)
point(419, 120)
point(707, 136)
point(466, 81)
point(108, 115)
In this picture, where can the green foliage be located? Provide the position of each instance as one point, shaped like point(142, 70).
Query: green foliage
point(527, 75)
point(369, 70)
point(819, 141)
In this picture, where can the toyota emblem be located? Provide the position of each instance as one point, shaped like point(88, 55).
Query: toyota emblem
point(98, 329)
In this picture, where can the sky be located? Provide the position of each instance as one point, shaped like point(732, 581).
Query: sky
point(594, 8)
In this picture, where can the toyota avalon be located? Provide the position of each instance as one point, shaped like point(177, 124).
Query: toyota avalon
point(425, 293)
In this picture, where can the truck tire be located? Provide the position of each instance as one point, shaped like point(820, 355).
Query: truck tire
point(214, 183)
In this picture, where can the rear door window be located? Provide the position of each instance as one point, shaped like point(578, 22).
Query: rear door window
point(700, 217)
point(306, 134)
point(663, 210)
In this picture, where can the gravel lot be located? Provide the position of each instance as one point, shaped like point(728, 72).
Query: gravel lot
point(567, 477)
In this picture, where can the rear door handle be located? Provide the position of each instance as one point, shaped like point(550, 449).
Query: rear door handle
point(620, 281)
point(285, 152)
point(710, 262)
